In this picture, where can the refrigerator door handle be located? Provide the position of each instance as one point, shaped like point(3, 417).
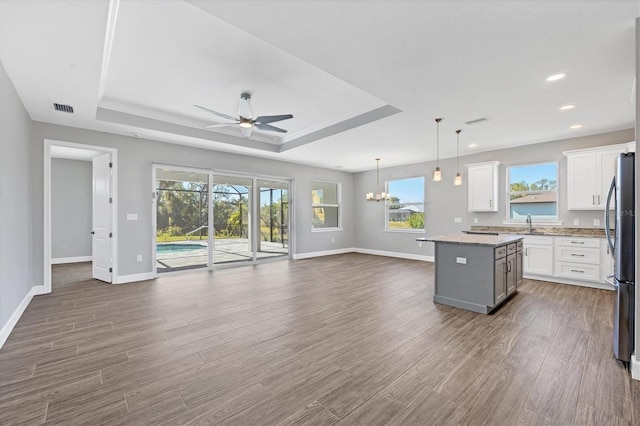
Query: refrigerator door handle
point(607, 213)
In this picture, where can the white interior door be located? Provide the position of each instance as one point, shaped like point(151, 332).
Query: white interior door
point(101, 232)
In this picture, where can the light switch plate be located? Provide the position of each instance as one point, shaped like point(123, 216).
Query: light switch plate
point(596, 222)
point(457, 219)
point(576, 222)
point(462, 260)
point(475, 220)
point(139, 258)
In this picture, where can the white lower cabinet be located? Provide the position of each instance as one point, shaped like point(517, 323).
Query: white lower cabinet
point(571, 260)
point(538, 256)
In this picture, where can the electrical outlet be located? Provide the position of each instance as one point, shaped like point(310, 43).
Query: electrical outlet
point(419, 243)
point(132, 216)
point(461, 260)
point(596, 222)
point(457, 219)
point(139, 258)
point(475, 220)
point(576, 222)
point(333, 240)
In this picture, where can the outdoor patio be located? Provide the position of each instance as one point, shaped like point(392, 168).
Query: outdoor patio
point(224, 251)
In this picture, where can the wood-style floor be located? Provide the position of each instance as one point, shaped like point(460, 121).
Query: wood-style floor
point(349, 339)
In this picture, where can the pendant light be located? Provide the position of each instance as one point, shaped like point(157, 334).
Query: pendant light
point(437, 173)
point(379, 196)
point(457, 181)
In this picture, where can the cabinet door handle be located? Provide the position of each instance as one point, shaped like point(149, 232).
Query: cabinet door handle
point(577, 270)
point(577, 255)
point(526, 251)
point(598, 199)
point(593, 200)
point(490, 201)
point(577, 242)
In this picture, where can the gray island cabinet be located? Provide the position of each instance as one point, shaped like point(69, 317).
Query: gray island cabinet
point(476, 272)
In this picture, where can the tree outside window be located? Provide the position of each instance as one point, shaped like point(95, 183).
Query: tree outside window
point(405, 208)
point(533, 190)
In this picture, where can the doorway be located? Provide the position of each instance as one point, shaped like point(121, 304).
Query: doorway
point(87, 239)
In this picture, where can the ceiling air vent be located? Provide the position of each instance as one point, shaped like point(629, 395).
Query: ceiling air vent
point(63, 108)
point(477, 121)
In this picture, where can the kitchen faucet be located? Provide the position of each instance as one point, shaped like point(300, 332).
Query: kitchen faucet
point(529, 222)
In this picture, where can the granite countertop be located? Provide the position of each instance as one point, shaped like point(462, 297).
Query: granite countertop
point(541, 230)
point(474, 239)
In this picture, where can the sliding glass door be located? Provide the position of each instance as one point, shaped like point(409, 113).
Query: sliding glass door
point(181, 219)
point(232, 219)
point(203, 219)
point(273, 238)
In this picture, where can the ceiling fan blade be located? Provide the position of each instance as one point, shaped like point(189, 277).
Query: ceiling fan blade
point(228, 117)
point(270, 128)
point(272, 118)
point(211, 126)
point(246, 131)
point(244, 110)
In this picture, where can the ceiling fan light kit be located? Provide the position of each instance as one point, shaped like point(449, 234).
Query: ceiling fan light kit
point(437, 173)
point(245, 119)
point(378, 196)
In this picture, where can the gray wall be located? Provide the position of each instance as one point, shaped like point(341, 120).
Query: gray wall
point(135, 158)
point(71, 199)
point(443, 201)
point(16, 260)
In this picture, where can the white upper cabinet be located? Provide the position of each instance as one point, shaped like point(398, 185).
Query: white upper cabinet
point(589, 174)
point(483, 186)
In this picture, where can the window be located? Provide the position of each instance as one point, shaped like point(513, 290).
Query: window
point(325, 202)
point(405, 208)
point(533, 190)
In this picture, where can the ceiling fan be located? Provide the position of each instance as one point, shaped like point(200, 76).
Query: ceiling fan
point(246, 120)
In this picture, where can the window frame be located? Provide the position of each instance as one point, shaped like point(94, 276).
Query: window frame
point(555, 220)
point(387, 208)
point(338, 205)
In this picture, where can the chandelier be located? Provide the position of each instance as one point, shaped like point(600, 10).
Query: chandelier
point(379, 196)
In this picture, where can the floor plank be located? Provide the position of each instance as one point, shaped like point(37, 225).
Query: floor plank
point(349, 339)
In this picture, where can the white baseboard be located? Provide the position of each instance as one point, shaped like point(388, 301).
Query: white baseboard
point(13, 320)
point(396, 254)
point(122, 279)
point(322, 253)
point(364, 251)
point(60, 260)
point(635, 366)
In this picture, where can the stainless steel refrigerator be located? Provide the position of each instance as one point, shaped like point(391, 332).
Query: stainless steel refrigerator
point(622, 245)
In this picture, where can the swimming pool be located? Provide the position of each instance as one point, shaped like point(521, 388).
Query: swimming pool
point(178, 248)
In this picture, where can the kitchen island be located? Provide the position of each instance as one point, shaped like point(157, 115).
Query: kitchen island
point(476, 272)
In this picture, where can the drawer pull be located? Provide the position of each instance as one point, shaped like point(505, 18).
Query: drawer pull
point(577, 242)
point(577, 270)
point(577, 255)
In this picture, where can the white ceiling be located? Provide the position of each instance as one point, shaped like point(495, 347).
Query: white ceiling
point(362, 78)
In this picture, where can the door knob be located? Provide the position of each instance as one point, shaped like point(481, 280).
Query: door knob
point(93, 233)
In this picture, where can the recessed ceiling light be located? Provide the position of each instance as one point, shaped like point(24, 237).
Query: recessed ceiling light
point(473, 145)
point(556, 77)
point(567, 107)
point(575, 126)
